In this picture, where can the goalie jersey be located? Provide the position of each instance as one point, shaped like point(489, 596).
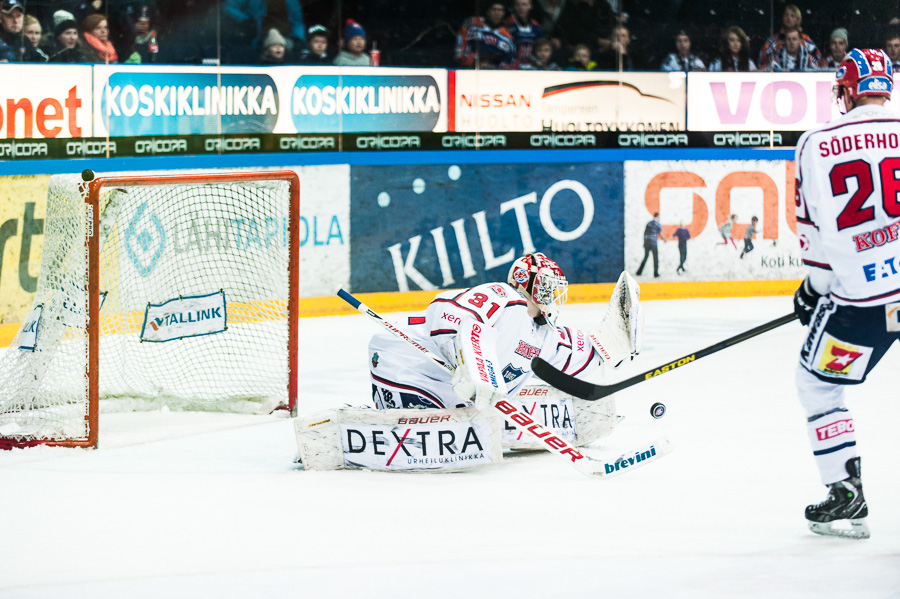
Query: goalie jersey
point(848, 206)
point(404, 378)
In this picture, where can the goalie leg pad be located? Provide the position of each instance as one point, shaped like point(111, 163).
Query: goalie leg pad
point(399, 440)
point(574, 420)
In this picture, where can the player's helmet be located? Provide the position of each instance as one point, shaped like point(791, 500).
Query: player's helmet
point(539, 278)
point(864, 73)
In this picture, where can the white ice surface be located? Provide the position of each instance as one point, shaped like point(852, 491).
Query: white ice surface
point(211, 505)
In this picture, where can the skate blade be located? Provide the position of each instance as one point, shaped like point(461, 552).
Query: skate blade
point(858, 529)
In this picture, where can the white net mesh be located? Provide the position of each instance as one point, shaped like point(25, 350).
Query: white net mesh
point(194, 306)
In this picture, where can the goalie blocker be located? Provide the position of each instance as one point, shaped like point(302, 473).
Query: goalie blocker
point(444, 440)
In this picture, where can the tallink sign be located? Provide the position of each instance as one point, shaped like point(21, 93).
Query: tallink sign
point(365, 103)
point(165, 103)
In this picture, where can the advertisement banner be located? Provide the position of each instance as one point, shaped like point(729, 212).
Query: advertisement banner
point(324, 235)
point(173, 100)
point(706, 211)
point(44, 102)
point(567, 102)
point(761, 101)
point(22, 203)
point(363, 100)
point(446, 226)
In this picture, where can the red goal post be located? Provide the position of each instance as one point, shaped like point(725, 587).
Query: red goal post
point(183, 292)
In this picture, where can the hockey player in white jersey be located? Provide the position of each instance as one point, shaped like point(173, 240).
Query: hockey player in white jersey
point(513, 322)
point(848, 222)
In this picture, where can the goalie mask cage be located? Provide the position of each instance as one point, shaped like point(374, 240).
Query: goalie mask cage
point(157, 290)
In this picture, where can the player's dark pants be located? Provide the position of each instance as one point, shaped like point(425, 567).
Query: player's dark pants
point(682, 256)
point(650, 248)
point(844, 343)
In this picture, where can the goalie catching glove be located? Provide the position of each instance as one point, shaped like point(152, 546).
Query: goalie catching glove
point(477, 375)
point(621, 332)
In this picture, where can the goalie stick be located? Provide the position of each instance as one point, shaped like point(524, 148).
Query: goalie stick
point(592, 391)
point(520, 419)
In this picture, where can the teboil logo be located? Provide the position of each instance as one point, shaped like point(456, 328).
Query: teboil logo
point(835, 429)
point(624, 462)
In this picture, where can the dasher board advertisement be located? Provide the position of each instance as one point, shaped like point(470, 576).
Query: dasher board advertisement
point(43, 103)
point(717, 220)
point(567, 101)
point(174, 100)
point(761, 101)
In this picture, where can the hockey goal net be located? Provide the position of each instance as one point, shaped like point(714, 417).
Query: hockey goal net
point(169, 290)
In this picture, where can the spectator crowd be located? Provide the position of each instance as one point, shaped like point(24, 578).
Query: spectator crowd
point(578, 35)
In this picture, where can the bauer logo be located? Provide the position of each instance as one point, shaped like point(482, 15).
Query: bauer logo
point(158, 103)
point(185, 317)
point(365, 103)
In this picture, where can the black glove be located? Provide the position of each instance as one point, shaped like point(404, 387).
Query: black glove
point(805, 300)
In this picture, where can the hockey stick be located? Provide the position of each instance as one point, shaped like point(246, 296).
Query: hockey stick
point(591, 391)
point(521, 420)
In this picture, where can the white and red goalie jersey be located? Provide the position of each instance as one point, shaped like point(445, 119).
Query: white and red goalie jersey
point(403, 378)
point(848, 206)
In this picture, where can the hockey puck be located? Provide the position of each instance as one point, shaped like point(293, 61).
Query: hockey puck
point(87, 175)
point(658, 410)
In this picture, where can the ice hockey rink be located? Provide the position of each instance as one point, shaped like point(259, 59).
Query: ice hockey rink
point(212, 505)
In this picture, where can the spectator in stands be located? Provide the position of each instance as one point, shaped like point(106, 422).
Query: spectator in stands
point(241, 24)
point(146, 40)
point(734, 52)
point(581, 59)
point(588, 22)
point(287, 17)
point(619, 55)
point(96, 34)
point(892, 47)
point(81, 9)
point(354, 53)
point(524, 31)
point(794, 55)
point(122, 34)
point(541, 57)
point(483, 42)
point(32, 32)
point(790, 21)
point(547, 13)
point(12, 23)
point(66, 46)
point(274, 48)
point(682, 59)
point(316, 52)
point(837, 49)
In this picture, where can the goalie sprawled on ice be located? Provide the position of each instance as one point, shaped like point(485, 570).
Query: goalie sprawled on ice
point(489, 334)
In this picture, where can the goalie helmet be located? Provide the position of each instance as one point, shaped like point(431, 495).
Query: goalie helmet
point(537, 277)
point(864, 73)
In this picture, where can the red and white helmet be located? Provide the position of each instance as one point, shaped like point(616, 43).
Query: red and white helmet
point(537, 277)
point(864, 73)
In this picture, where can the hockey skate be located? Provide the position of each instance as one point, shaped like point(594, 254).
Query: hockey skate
point(845, 503)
